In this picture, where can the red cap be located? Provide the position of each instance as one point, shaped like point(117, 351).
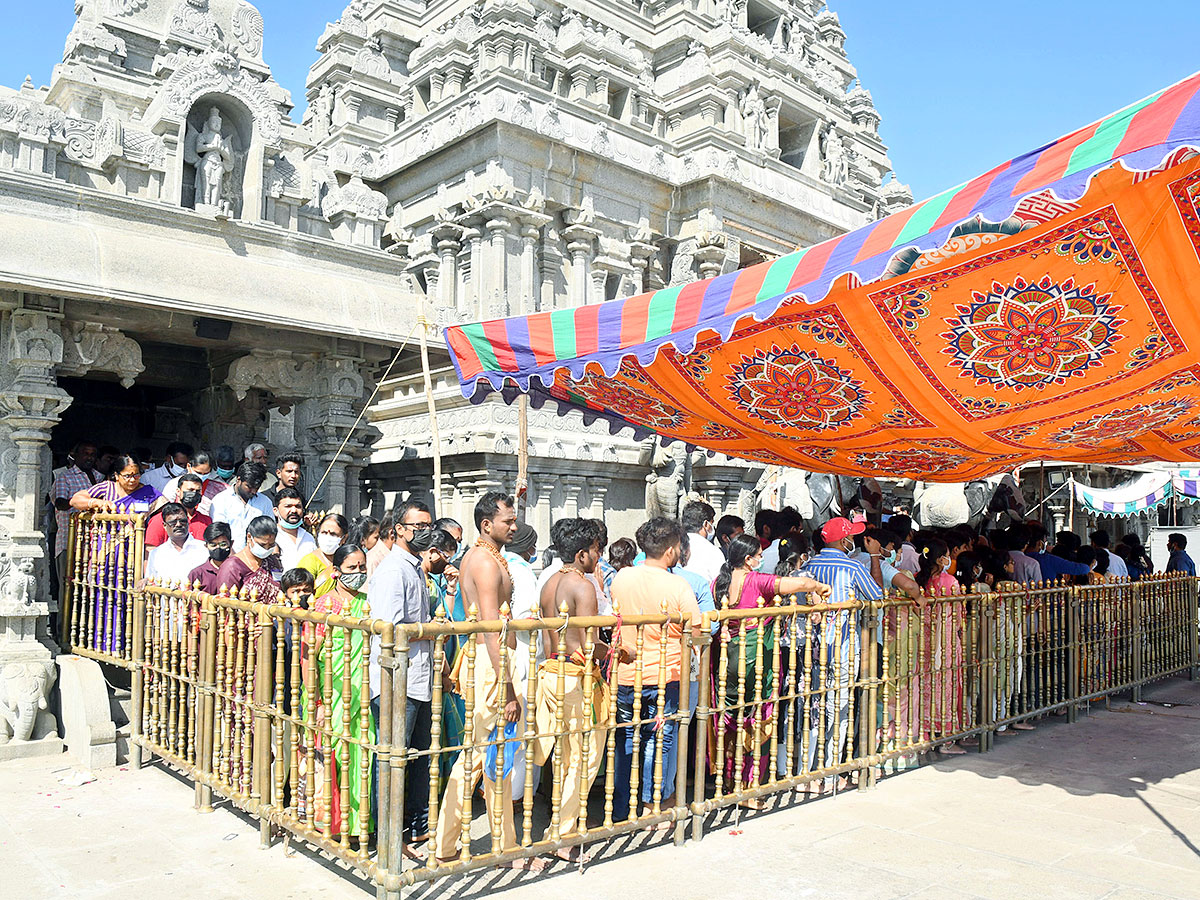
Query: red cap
point(836, 529)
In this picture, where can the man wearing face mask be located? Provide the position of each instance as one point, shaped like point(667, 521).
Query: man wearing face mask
point(219, 544)
point(188, 492)
point(227, 462)
point(294, 541)
point(242, 503)
point(173, 560)
point(848, 579)
point(175, 464)
point(200, 464)
point(398, 593)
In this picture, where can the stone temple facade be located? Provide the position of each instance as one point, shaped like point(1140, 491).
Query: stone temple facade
point(184, 256)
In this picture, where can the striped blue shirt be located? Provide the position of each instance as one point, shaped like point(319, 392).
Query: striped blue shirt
point(843, 575)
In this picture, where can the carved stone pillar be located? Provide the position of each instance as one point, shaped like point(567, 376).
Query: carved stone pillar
point(581, 242)
point(599, 490)
point(447, 237)
point(31, 404)
point(543, 518)
point(470, 297)
point(531, 280)
point(572, 489)
point(639, 258)
point(495, 281)
point(326, 392)
point(711, 257)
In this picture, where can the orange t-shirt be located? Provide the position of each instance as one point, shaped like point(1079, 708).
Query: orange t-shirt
point(640, 591)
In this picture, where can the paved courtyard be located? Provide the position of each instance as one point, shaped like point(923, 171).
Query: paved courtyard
point(1108, 808)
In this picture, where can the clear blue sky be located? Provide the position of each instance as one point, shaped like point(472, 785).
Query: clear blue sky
point(962, 85)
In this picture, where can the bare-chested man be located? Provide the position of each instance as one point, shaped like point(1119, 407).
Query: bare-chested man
point(486, 585)
point(561, 683)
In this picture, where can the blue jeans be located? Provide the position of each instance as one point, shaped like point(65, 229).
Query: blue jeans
point(417, 726)
point(647, 737)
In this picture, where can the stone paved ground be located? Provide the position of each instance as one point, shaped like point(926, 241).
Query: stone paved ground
point(1108, 808)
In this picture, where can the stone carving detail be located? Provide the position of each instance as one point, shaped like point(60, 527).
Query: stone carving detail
point(835, 156)
point(193, 19)
point(127, 7)
point(97, 347)
point(34, 343)
point(370, 60)
point(20, 588)
point(665, 483)
point(356, 199)
point(495, 185)
point(551, 124)
point(95, 37)
point(289, 378)
point(24, 701)
point(144, 147)
point(219, 72)
point(33, 119)
point(522, 113)
point(248, 28)
point(754, 119)
point(215, 160)
point(352, 21)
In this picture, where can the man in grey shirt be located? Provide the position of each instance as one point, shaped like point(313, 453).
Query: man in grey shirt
point(399, 593)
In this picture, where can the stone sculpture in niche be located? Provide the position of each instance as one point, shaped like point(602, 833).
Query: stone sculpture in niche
point(213, 157)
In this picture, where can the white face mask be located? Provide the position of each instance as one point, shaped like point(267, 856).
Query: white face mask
point(260, 551)
point(328, 543)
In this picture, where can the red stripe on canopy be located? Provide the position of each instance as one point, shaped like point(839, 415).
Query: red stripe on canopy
point(1152, 124)
point(1051, 165)
point(964, 201)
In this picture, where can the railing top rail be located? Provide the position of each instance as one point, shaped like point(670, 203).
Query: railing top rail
point(130, 518)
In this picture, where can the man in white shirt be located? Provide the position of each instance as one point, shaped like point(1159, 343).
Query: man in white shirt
point(1116, 565)
point(172, 560)
point(242, 504)
point(699, 521)
point(293, 541)
point(175, 464)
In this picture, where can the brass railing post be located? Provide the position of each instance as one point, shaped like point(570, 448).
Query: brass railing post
point(264, 693)
point(703, 714)
point(681, 737)
point(137, 679)
point(1137, 630)
point(1193, 626)
point(204, 727)
point(986, 661)
point(1074, 652)
point(398, 760)
point(384, 814)
point(869, 674)
point(65, 600)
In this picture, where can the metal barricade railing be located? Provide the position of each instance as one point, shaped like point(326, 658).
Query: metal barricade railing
point(271, 707)
point(105, 556)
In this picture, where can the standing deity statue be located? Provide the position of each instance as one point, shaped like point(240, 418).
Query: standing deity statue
point(836, 161)
point(212, 155)
point(754, 118)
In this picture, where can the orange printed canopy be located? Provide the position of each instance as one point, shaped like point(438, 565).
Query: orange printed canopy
point(1044, 310)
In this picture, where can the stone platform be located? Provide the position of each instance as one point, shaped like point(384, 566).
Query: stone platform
point(1108, 808)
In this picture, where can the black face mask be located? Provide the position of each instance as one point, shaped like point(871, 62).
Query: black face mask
point(190, 499)
point(219, 554)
